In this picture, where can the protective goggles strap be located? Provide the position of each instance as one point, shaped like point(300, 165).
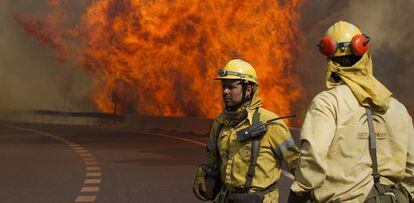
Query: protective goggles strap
point(223, 73)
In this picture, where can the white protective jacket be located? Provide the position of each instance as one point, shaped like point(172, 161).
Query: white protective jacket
point(335, 161)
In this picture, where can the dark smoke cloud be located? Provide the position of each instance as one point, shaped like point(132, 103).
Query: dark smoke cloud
point(30, 75)
point(389, 24)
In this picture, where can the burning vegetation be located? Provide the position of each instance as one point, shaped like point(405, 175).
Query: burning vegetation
point(159, 57)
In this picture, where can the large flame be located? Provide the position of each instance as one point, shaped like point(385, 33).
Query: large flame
point(159, 57)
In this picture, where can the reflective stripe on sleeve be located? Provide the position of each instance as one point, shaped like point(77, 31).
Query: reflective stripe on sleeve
point(282, 148)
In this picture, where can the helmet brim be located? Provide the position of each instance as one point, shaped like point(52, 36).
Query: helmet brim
point(236, 78)
point(228, 77)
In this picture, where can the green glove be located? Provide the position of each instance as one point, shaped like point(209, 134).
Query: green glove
point(199, 186)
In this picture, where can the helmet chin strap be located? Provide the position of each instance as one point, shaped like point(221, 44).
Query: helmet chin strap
point(244, 84)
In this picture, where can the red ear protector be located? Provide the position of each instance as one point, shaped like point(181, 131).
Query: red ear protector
point(358, 45)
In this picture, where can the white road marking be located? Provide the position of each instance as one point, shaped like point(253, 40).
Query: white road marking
point(93, 174)
point(84, 198)
point(90, 189)
point(92, 181)
point(91, 163)
point(93, 168)
point(87, 158)
point(166, 136)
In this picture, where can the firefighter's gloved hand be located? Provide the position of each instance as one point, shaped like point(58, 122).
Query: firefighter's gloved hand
point(199, 186)
point(295, 198)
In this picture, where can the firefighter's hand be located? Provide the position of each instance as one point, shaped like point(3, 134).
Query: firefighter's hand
point(199, 186)
point(296, 198)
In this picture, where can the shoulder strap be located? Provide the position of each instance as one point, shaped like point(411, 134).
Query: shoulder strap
point(218, 162)
point(372, 146)
point(254, 154)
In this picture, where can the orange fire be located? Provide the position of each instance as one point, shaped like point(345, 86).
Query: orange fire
point(159, 57)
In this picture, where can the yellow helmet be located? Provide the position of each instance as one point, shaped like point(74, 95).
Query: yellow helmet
point(343, 39)
point(238, 69)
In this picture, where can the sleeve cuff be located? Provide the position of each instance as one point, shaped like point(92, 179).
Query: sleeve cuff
point(299, 190)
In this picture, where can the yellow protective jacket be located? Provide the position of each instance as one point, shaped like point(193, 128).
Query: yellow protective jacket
point(276, 146)
point(335, 162)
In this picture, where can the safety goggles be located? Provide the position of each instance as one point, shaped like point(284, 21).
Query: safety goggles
point(223, 73)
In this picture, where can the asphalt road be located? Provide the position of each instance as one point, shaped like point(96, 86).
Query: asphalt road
point(60, 163)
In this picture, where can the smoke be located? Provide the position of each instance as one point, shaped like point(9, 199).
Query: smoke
point(31, 76)
point(388, 23)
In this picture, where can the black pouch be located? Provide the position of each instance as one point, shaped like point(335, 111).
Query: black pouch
point(388, 194)
point(255, 131)
point(245, 198)
point(213, 183)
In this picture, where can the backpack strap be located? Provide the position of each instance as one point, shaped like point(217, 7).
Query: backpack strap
point(254, 154)
point(372, 146)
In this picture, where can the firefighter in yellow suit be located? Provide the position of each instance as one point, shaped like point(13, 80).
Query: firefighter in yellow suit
point(335, 163)
point(240, 95)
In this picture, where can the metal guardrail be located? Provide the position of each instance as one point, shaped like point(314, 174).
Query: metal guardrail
point(79, 114)
point(60, 117)
point(177, 124)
